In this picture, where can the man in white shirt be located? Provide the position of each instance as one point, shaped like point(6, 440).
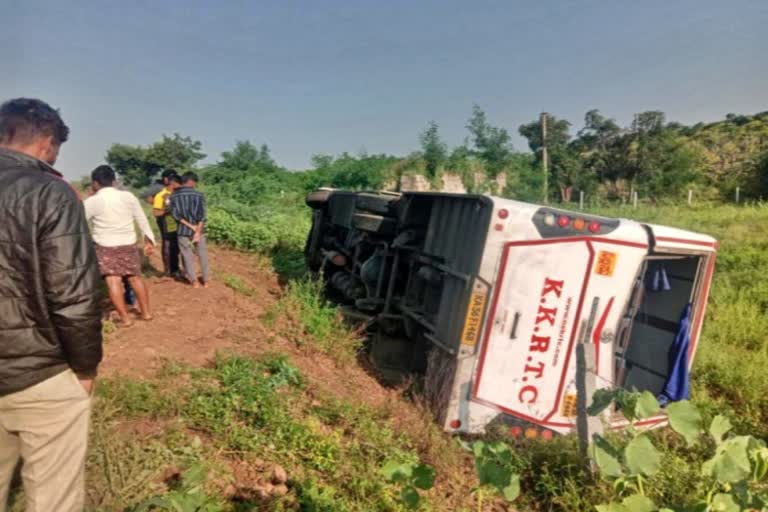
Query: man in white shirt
point(113, 213)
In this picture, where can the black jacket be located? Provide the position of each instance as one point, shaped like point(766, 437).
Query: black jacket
point(50, 295)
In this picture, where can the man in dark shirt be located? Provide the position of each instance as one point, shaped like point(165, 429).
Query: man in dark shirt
point(188, 208)
point(50, 313)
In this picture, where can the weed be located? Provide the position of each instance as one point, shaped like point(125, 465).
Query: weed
point(313, 323)
point(497, 470)
point(124, 468)
point(108, 327)
point(410, 477)
point(237, 284)
point(186, 495)
point(134, 398)
point(730, 479)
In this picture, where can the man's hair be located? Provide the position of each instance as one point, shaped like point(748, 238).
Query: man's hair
point(167, 173)
point(174, 178)
point(189, 176)
point(104, 175)
point(24, 120)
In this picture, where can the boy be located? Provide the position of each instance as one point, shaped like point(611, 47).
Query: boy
point(167, 224)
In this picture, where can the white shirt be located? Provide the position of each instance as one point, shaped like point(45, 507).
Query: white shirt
point(113, 212)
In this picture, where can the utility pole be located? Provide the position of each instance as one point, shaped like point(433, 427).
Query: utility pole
point(544, 156)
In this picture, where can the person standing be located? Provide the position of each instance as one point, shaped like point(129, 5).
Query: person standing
point(113, 213)
point(188, 209)
point(50, 313)
point(167, 224)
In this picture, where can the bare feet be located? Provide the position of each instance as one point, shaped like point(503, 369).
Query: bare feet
point(147, 318)
point(195, 285)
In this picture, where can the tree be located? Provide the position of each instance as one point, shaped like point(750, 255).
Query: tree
point(650, 122)
point(595, 146)
point(654, 157)
point(564, 165)
point(434, 149)
point(364, 172)
point(131, 163)
point(598, 131)
point(759, 178)
point(138, 165)
point(175, 153)
point(245, 157)
point(491, 144)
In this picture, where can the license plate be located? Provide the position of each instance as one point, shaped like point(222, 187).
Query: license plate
point(474, 319)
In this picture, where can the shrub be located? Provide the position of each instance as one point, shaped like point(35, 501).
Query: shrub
point(314, 323)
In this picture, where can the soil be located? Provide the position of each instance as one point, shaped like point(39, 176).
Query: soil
point(192, 325)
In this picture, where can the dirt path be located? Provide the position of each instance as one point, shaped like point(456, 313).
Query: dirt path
point(190, 325)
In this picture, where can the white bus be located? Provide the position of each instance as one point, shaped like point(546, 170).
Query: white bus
point(487, 298)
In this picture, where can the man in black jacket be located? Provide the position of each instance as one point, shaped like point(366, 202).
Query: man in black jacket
point(50, 314)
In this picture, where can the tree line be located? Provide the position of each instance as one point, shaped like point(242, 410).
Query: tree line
point(651, 155)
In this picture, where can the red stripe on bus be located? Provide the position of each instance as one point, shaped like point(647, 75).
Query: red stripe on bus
point(599, 331)
point(686, 241)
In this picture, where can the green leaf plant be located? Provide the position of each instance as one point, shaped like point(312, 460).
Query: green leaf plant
point(738, 465)
point(410, 477)
point(496, 470)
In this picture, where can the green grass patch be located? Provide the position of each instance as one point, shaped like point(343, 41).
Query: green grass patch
point(242, 407)
point(138, 398)
point(237, 284)
point(307, 319)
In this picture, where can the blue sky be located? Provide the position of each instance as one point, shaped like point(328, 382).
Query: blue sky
point(331, 76)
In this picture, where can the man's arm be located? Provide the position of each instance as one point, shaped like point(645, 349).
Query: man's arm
point(90, 207)
point(203, 216)
point(141, 219)
point(70, 279)
point(176, 213)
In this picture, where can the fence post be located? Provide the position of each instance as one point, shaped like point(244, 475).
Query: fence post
point(690, 197)
point(634, 199)
point(581, 199)
point(737, 195)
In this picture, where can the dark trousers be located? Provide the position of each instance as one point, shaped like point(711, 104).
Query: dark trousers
point(171, 253)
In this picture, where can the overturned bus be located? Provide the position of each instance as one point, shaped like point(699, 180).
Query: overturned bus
point(488, 297)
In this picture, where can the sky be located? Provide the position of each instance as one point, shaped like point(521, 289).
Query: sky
point(328, 76)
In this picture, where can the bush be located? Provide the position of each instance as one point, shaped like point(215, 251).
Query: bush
point(253, 236)
point(314, 323)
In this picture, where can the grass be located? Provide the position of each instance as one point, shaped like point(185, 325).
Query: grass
point(237, 284)
point(241, 408)
point(304, 317)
